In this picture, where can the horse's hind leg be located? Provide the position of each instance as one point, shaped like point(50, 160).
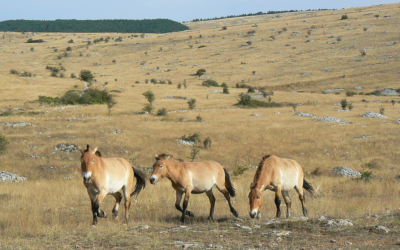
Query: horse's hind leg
point(278, 195)
point(228, 198)
point(127, 203)
point(212, 201)
point(178, 204)
point(118, 199)
point(302, 198)
point(288, 202)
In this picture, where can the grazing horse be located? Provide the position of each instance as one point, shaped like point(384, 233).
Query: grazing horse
point(278, 175)
point(103, 176)
point(193, 178)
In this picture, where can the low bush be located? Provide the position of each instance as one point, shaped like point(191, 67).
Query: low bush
point(246, 101)
point(3, 144)
point(72, 97)
point(350, 93)
point(209, 83)
point(162, 112)
point(192, 138)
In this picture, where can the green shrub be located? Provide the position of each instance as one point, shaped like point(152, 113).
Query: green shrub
point(225, 90)
point(162, 112)
point(242, 86)
point(246, 101)
point(224, 85)
point(46, 99)
point(350, 93)
point(375, 92)
point(86, 75)
point(149, 96)
point(69, 48)
point(343, 104)
point(365, 176)
point(209, 83)
point(7, 113)
point(3, 144)
point(192, 103)
point(148, 108)
point(207, 142)
point(14, 72)
point(344, 17)
point(192, 138)
point(316, 172)
point(30, 40)
point(239, 170)
point(382, 110)
point(199, 118)
point(251, 89)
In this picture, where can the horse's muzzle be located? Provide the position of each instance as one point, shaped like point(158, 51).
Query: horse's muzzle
point(153, 180)
point(87, 179)
point(252, 215)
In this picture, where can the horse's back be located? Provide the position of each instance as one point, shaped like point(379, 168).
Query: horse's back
point(286, 172)
point(117, 169)
point(202, 175)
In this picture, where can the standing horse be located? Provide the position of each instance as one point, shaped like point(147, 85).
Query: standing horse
point(278, 175)
point(103, 176)
point(194, 178)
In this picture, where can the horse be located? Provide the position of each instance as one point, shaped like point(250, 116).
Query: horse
point(103, 176)
point(194, 178)
point(278, 175)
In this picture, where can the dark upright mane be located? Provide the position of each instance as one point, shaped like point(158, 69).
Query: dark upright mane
point(87, 149)
point(259, 169)
point(165, 156)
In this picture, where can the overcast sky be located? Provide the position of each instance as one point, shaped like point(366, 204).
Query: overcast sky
point(177, 10)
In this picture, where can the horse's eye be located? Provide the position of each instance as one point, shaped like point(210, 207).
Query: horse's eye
point(82, 160)
point(259, 198)
point(93, 161)
point(160, 166)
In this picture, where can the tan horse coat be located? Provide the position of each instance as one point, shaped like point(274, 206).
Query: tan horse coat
point(193, 178)
point(103, 176)
point(278, 175)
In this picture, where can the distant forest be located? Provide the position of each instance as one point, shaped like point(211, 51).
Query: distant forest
point(253, 14)
point(94, 26)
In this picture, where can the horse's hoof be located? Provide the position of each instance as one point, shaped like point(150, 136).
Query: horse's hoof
point(210, 218)
point(235, 213)
point(104, 214)
point(190, 214)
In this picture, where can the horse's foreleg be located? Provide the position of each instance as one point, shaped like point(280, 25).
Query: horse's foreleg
point(211, 197)
point(118, 198)
point(188, 192)
point(278, 195)
point(96, 208)
point(178, 204)
point(288, 202)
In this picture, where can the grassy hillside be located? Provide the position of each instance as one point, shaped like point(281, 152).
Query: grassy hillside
point(295, 56)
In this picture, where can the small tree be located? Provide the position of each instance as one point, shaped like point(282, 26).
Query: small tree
point(86, 75)
point(344, 17)
point(225, 90)
point(148, 108)
point(149, 96)
point(382, 110)
point(192, 103)
point(69, 48)
point(377, 16)
point(200, 72)
point(207, 142)
point(344, 104)
point(110, 103)
point(194, 153)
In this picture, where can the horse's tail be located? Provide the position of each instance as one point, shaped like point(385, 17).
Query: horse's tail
point(310, 189)
point(228, 184)
point(140, 181)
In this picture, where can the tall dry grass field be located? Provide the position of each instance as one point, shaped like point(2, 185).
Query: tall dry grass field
point(296, 55)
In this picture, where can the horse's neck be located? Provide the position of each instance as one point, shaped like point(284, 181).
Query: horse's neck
point(264, 178)
point(173, 172)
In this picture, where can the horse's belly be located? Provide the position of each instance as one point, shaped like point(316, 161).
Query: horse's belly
point(114, 187)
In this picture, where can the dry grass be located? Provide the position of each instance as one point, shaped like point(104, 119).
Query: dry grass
point(50, 211)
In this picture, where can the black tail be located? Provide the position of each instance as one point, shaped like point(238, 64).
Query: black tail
point(310, 189)
point(228, 184)
point(140, 181)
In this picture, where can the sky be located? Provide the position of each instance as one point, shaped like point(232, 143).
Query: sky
point(177, 10)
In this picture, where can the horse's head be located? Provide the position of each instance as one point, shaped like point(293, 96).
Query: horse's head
point(88, 161)
point(159, 168)
point(255, 200)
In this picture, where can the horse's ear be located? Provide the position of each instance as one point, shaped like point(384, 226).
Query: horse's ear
point(262, 187)
point(87, 147)
point(168, 157)
point(98, 154)
point(80, 149)
point(157, 158)
point(94, 150)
